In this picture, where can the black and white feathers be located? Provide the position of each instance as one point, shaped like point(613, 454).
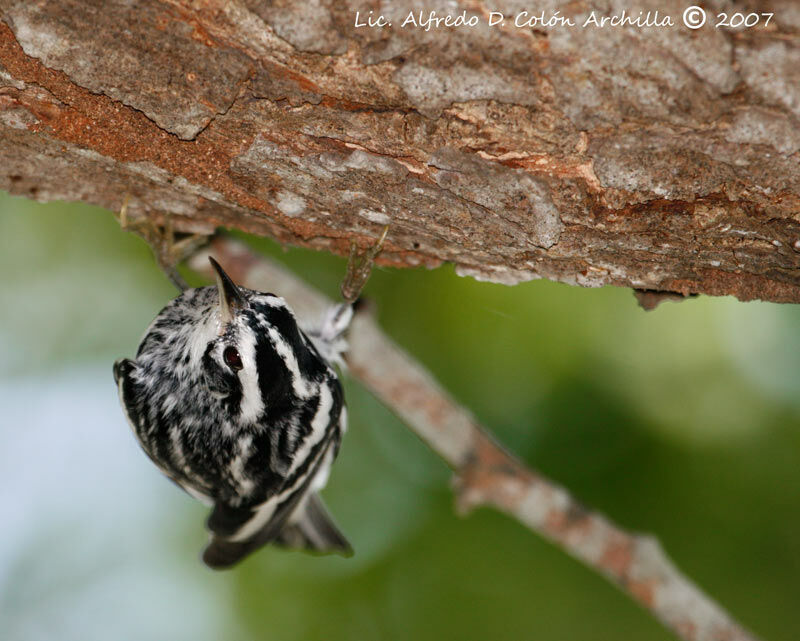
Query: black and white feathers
point(242, 409)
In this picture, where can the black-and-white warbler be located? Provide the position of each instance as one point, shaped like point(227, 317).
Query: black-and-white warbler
point(243, 410)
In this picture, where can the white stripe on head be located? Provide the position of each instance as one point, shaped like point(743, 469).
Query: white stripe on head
point(201, 335)
point(299, 384)
point(252, 405)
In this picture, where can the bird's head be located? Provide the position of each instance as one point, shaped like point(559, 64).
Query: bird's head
point(242, 347)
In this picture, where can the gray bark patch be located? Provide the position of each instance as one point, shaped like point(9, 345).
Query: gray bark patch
point(155, 64)
point(519, 202)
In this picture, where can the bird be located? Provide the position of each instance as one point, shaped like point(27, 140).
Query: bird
point(244, 410)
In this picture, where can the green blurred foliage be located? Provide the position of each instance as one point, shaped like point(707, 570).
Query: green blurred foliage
point(683, 422)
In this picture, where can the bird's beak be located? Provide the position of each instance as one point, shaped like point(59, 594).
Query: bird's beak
point(230, 298)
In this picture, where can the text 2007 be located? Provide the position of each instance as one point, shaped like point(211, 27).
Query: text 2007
point(736, 20)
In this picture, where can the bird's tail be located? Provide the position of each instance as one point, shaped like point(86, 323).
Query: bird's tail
point(312, 528)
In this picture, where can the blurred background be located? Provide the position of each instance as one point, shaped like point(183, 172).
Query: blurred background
point(683, 422)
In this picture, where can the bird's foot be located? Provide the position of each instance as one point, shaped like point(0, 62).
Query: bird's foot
point(360, 267)
point(168, 247)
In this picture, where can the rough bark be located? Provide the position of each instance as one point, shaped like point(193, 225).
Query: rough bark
point(656, 158)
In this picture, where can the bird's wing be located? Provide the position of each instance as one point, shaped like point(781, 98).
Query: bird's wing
point(128, 393)
point(123, 369)
point(239, 531)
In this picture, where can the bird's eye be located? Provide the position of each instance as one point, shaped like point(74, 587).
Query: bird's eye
point(232, 358)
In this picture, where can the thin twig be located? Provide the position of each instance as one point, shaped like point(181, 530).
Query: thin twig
point(486, 474)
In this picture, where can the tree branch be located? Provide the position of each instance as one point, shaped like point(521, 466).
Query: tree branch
point(485, 474)
point(656, 158)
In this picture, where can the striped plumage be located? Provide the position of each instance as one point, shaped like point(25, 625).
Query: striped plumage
point(242, 409)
